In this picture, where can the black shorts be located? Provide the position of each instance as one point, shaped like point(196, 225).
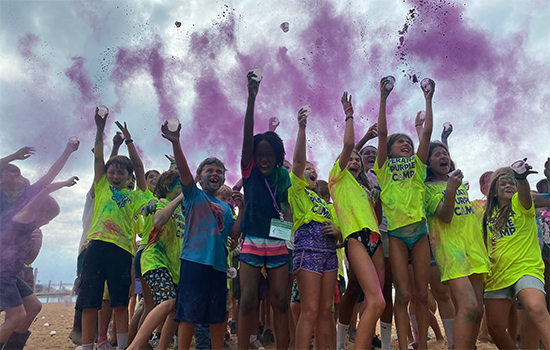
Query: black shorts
point(104, 261)
point(137, 263)
point(12, 291)
point(202, 294)
point(370, 240)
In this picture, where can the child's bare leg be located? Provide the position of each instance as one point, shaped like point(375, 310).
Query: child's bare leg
point(498, 311)
point(291, 323)
point(278, 279)
point(89, 325)
point(370, 274)
point(534, 304)
point(168, 331)
point(134, 322)
point(309, 284)
point(468, 292)
point(151, 322)
point(121, 321)
point(104, 318)
point(185, 335)
point(399, 258)
point(248, 306)
point(32, 307)
point(420, 259)
point(217, 334)
point(14, 317)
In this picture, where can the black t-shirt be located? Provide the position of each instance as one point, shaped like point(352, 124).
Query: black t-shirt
point(258, 203)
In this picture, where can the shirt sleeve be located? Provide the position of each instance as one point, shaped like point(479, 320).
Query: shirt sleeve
point(518, 207)
point(434, 196)
point(246, 171)
point(297, 185)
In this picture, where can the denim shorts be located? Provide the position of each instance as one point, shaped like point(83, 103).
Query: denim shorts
point(513, 290)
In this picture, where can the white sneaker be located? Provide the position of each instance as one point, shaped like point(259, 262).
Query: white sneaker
point(256, 345)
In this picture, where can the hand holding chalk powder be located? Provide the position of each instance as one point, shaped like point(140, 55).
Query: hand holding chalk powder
point(178, 24)
point(24, 153)
point(447, 130)
point(302, 117)
point(390, 82)
point(372, 132)
point(71, 182)
point(173, 124)
point(273, 123)
point(118, 139)
point(428, 87)
point(100, 118)
point(284, 26)
point(72, 144)
point(172, 136)
point(522, 169)
point(254, 77)
point(231, 272)
point(102, 110)
point(384, 92)
point(455, 180)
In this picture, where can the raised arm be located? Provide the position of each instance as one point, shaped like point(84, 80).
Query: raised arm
point(369, 135)
point(58, 165)
point(137, 164)
point(382, 124)
point(445, 209)
point(424, 145)
point(21, 154)
point(524, 190)
point(349, 135)
point(419, 124)
point(248, 136)
point(162, 216)
point(174, 137)
point(99, 161)
point(117, 141)
point(445, 133)
point(299, 160)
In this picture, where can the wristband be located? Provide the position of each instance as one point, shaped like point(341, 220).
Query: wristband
point(347, 109)
point(350, 117)
point(128, 141)
point(417, 124)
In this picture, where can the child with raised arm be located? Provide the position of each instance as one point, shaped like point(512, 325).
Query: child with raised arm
point(517, 269)
point(16, 298)
point(401, 174)
point(266, 202)
point(112, 237)
point(457, 244)
point(202, 288)
point(359, 226)
point(315, 261)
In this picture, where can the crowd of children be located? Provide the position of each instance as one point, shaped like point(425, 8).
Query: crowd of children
point(289, 243)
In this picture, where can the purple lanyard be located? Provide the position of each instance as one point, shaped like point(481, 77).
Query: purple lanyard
point(274, 200)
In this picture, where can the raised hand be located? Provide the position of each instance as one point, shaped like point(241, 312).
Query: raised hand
point(118, 139)
point(71, 182)
point(124, 130)
point(99, 120)
point(522, 169)
point(273, 123)
point(302, 118)
point(72, 146)
point(454, 181)
point(372, 132)
point(253, 84)
point(24, 153)
point(238, 198)
point(346, 104)
point(447, 130)
point(172, 136)
point(430, 93)
point(384, 93)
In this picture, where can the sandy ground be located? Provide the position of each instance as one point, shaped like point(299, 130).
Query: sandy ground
point(60, 320)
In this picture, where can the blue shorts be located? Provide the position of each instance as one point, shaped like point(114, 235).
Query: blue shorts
point(513, 290)
point(12, 291)
point(202, 294)
point(410, 234)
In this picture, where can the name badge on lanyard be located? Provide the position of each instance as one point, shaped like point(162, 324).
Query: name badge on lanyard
point(279, 228)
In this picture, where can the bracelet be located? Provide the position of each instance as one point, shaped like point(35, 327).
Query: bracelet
point(347, 109)
point(417, 124)
point(128, 141)
point(350, 117)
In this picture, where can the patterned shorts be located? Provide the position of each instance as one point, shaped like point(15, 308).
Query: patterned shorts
point(318, 262)
point(260, 252)
point(161, 285)
point(371, 240)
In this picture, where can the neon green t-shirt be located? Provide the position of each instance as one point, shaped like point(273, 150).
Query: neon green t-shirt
point(305, 204)
point(146, 225)
point(514, 250)
point(114, 213)
point(403, 190)
point(339, 251)
point(354, 209)
point(164, 247)
point(457, 246)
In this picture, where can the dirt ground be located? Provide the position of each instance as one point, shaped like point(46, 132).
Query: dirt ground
point(60, 320)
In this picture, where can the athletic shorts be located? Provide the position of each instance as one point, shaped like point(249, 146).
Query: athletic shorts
point(260, 252)
point(161, 285)
point(12, 291)
point(202, 294)
point(371, 240)
point(105, 261)
point(410, 234)
point(513, 290)
point(317, 262)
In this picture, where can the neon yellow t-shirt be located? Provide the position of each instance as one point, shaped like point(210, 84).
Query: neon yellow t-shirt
point(164, 246)
point(114, 213)
point(458, 246)
point(479, 209)
point(514, 250)
point(305, 204)
point(339, 251)
point(146, 225)
point(353, 207)
point(402, 184)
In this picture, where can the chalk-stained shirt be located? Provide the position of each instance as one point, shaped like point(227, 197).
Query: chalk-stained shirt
point(208, 223)
point(514, 251)
point(146, 222)
point(306, 205)
point(114, 215)
point(458, 246)
point(354, 209)
point(164, 244)
point(403, 190)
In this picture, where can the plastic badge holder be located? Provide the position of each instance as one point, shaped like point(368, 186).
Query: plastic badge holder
point(519, 166)
point(391, 82)
point(102, 110)
point(172, 124)
point(447, 126)
point(258, 73)
point(284, 26)
point(425, 83)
